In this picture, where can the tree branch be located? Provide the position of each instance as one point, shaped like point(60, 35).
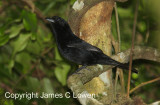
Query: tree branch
point(76, 82)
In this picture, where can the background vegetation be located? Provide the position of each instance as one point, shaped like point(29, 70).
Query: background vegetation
point(30, 61)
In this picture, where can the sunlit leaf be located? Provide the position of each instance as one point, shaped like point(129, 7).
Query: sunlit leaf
point(21, 43)
point(61, 72)
point(14, 31)
point(57, 55)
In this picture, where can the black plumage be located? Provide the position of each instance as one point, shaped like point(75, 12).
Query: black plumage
point(77, 50)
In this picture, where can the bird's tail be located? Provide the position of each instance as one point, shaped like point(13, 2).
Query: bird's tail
point(126, 67)
point(106, 60)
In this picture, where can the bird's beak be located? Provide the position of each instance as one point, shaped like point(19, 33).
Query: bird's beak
point(50, 20)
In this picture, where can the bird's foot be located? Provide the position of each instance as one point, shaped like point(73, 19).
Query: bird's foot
point(79, 69)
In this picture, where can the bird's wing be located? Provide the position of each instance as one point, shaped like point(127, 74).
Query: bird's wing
point(84, 45)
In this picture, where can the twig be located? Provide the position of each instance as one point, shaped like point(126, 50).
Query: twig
point(115, 44)
point(119, 72)
point(118, 28)
point(144, 83)
point(132, 47)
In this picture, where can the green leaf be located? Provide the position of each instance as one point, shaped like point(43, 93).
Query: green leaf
point(34, 45)
point(47, 85)
point(26, 25)
point(57, 55)
point(29, 20)
point(30, 23)
point(14, 31)
point(20, 43)
point(3, 39)
point(32, 84)
point(34, 36)
point(24, 59)
point(47, 88)
point(11, 65)
point(8, 102)
point(61, 73)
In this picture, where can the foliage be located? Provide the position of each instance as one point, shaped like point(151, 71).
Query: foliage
point(30, 61)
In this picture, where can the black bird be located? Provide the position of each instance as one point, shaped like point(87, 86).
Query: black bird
point(77, 50)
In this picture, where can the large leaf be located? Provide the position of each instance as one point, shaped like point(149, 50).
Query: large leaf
point(20, 43)
point(14, 31)
point(30, 22)
point(61, 72)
